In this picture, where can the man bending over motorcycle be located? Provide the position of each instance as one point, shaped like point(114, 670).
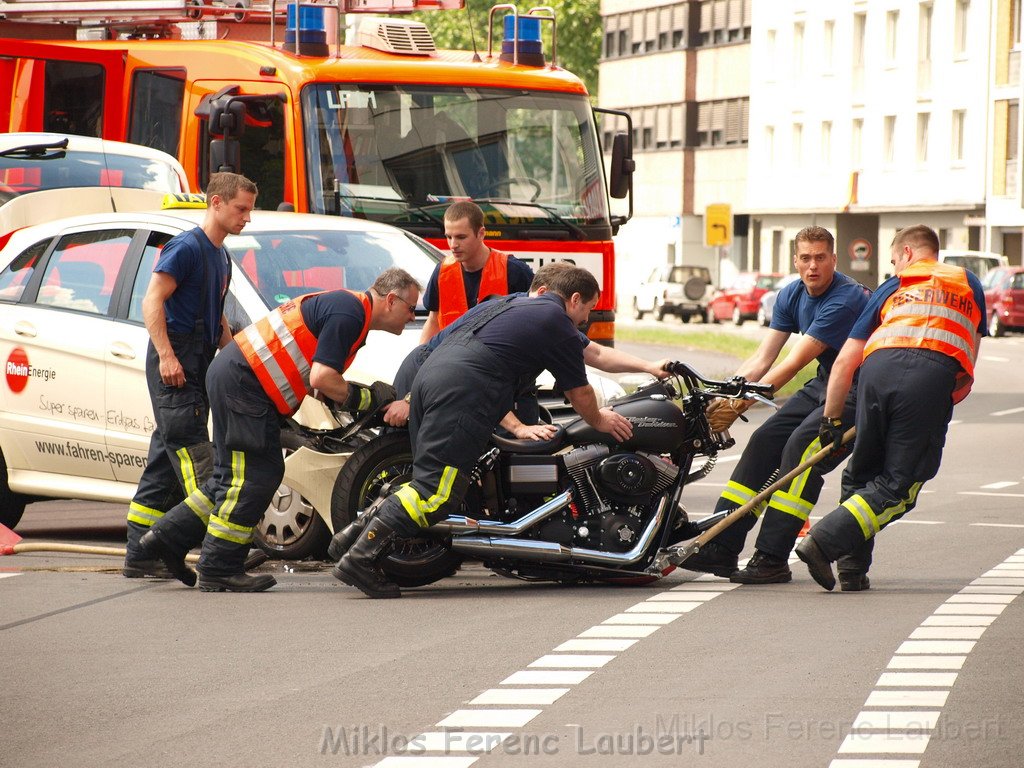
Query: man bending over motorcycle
point(460, 395)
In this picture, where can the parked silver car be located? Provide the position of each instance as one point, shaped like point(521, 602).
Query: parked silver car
point(674, 290)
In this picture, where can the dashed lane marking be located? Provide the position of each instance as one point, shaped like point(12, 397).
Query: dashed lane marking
point(1007, 412)
point(900, 715)
point(8, 575)
point(549, 678)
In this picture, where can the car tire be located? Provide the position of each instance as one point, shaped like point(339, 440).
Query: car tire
point(660, 311)
point(291, 529)
point(709, 316)
point(12, 505)
point(737, 316)
point(638, 314)
point(762, 318)
point(995, 326)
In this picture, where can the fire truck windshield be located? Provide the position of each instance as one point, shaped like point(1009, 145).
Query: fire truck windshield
point(400, 154)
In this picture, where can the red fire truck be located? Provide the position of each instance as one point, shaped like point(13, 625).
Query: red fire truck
point(385, 127)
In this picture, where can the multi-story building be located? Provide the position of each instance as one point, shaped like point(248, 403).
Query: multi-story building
point(681, 70)
point(864, 116)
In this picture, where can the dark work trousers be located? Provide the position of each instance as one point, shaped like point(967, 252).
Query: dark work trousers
point(181, 415)
point(459, 395)
point(785, 440)
point(904, 404)
point(248, 468)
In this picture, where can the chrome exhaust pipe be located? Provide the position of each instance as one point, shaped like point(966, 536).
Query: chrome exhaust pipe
point(462, 524)
point(529, 549)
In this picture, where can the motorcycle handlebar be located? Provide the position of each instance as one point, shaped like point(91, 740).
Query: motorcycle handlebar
point(736, 386)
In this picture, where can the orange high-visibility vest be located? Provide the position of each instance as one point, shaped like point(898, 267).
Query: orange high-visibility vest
point(934, 308)
point(451, 288)
point(280, 350)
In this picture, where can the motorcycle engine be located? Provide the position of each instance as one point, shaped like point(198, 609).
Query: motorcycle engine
point(614, 496)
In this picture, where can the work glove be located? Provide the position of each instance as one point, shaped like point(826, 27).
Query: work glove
point(830, 432)
point(362, 398)
point(722, 413)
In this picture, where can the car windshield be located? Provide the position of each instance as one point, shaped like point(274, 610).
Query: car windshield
point(400, 154)
point(285, 264)
point(979, 265)
point(24, 173)
point(682, 274)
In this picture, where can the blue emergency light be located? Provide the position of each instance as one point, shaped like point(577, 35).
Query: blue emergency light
point(312, 30)
point(531, 51)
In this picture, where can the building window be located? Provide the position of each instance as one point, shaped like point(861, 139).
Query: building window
point(924, 48)
point(826, 142)
point(889, 139)
point(648, 31)
point(923, 119)
point(859, 25)
point(1015, 23)
point(856, 141)
point(637, 37)
point(960, 26)
point(723, 21)
point(798, 48)
point(611, 37)
point(769, 144)
point(798, 143)
point(722, 123)
point(828, 34)
point(959, 121)
point(892, 23)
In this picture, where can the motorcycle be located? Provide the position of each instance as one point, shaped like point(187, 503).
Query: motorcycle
point(576, 508)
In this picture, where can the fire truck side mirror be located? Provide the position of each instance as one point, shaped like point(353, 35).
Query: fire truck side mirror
point(225, 155)
point(227, 118)
point(622, 166)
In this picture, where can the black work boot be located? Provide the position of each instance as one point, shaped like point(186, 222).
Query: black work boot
point(150, 568)
point(712, 558)
point(763, 569)
point(343, 540)
point(176, 565)
point(854, 581)
point(237, 582)
point(819, 565)
point(359, 567)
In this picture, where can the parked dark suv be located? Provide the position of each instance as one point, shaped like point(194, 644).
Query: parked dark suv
point(674, 290)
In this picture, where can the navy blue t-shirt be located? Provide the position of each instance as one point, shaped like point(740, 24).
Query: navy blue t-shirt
point(520, 276)
point(536, 334)
point(336, 319)
point(871, 317)
point(827, 318)
point(182, 258)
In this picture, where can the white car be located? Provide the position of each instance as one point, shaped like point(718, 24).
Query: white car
point(978, 262)
point(46, 175)
point(75, 414)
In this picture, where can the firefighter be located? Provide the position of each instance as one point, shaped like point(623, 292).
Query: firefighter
point(259, 378)
point(452, 417)
point(822, 306)
point(915, 346)
point(473, 271)
point(184, 313)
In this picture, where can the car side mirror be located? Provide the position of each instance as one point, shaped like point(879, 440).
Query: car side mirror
point(622, 168)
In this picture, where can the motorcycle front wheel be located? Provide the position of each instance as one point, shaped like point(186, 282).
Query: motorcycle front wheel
point(374, 469)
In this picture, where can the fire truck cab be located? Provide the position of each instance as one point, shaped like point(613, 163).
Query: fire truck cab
point(385, 127)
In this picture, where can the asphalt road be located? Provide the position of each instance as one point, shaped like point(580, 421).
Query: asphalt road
point(922, 670)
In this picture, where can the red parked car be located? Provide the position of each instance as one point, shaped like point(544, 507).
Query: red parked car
point(1004, 299)
point(741, 300)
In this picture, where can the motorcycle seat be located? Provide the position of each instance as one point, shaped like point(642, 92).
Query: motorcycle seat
point(531, 447)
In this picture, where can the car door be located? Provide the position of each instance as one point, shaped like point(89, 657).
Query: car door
point(54, 403)
point(129, 412)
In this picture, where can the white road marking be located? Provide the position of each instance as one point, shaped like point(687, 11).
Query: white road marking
point(892, 743)
point(971, 610)
point(918, 719)
point(997, 581)
point(672, 595)
point(927, 662)
point(982, 598)
point(916, 679)
point(936, 646)
point(986, 493)
point(906, 699)
point(8, 575)
point(403, 761)
point(905, 521)
point(958, 621)
point(1007, 412)
point(641, 618)
point(995, 359)
point(1000, 484)
point(992, 590)
point(998, 525)
point(547, 677)
point(489, 718)
point(656, 607)
point(877, 763)
point(478, 742)
point(947, 633)
point(587, 644)
point(520, 696)
point(569, 661)
point(618, 631)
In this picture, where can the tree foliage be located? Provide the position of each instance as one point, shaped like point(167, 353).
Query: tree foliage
point(579, 33)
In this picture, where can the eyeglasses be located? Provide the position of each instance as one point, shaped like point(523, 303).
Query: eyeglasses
point(412, 307)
